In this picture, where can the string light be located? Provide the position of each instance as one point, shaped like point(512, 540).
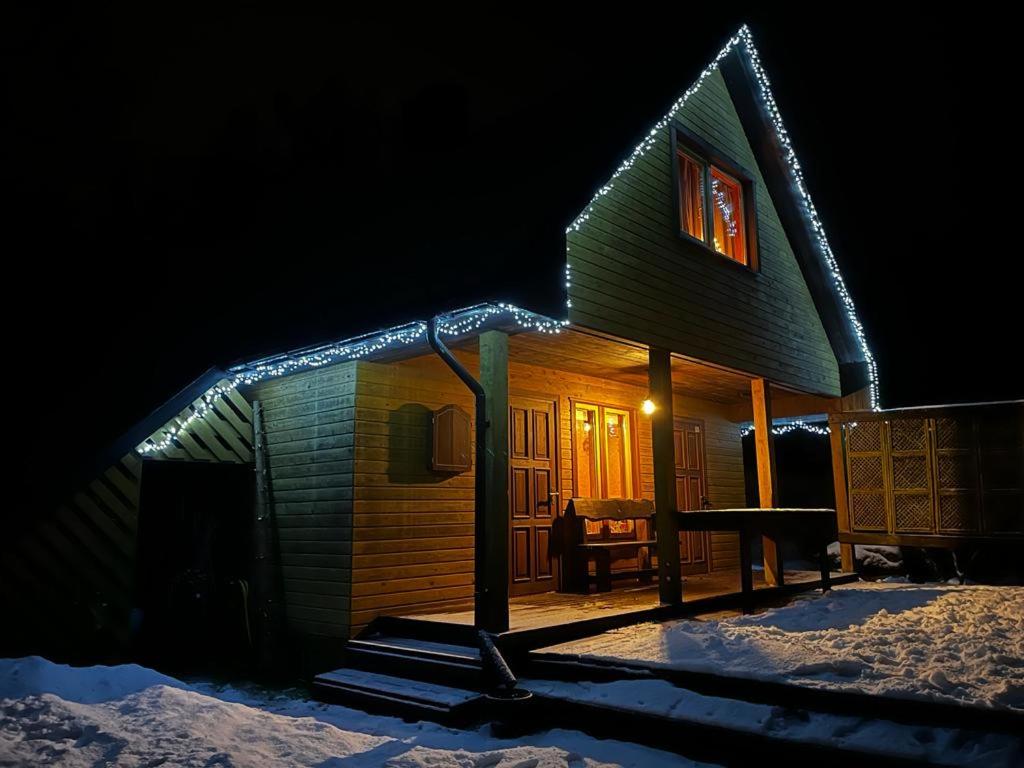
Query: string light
point(725, 207)
point(472, 318)
point(792, 426)
point(458, 323)
point(744, 38)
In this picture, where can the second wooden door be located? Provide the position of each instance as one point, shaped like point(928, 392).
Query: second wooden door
point(691, 492)
point(533, 495)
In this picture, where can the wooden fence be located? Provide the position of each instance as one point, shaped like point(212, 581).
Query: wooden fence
point(933, 477)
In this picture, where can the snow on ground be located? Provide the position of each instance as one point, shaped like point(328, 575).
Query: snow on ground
point(948, 746)
point(877, 557)
point(963, 644)
point(52, 714)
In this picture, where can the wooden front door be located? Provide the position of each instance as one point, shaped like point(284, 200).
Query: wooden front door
point(533, 494)
point(691, 490)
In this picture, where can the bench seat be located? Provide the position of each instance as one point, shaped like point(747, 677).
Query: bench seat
point(578, 552)
point(618, 543)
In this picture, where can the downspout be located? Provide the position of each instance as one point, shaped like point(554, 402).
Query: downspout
point(496, 672)
point(480, 493)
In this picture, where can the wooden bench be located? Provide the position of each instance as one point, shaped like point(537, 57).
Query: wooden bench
point(578, 552)
point(774, 523)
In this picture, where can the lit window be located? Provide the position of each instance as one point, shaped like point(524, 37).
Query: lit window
point(603, 460)
point(705, 187)
point(691, 196)
point(727, 204)
point(588, 478)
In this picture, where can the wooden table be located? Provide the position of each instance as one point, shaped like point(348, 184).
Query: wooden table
point(773, 523)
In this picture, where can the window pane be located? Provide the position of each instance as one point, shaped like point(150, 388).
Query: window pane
point(727, 206)
point(618, 480)
point(617, 464)
point(691, 196)
point(585, 459)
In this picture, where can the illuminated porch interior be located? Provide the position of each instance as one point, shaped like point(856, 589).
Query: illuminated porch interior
point(551, 609)
point(576, 368)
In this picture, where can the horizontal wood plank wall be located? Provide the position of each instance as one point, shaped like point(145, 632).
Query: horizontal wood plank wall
point(309, 420)
point(633, 276)
point(413, 527)
point(76, 565)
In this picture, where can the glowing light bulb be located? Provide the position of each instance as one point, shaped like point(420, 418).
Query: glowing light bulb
point(648, 407)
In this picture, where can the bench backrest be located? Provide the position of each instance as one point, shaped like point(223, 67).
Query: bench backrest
point(610, 509)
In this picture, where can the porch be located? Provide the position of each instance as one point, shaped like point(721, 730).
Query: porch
point(569, 414)
point(701, 592)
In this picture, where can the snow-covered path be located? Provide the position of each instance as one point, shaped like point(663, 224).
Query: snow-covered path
point(958, 643)
point(51, 714)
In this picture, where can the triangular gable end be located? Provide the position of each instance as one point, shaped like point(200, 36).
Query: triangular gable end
point(748, 84)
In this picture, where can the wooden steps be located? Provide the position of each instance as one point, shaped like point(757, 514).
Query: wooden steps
point(423, 660)
point(400, 669)
point(398, 696)
point(931, 713)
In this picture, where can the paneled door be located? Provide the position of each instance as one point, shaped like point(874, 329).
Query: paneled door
point(691, 490)
point(533, 494)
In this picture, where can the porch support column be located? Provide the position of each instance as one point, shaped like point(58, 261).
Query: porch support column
point(492, 566)
point(767, 480)
point(659, 370)
point(846, 558)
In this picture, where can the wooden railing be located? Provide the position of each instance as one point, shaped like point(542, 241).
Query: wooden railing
point(934, 476)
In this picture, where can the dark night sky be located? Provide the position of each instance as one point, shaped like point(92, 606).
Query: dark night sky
point(195, 189)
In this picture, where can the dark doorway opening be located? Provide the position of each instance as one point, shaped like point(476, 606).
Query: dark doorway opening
point(194, 566)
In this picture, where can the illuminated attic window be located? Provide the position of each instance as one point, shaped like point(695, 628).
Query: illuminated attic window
point(715, 203)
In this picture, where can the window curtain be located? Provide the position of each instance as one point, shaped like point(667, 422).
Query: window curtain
point(727, 204)
point(691, 197)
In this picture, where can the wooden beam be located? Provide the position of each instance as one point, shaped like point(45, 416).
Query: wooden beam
point(842, 499)
point(767, 480)
point(659, 371)
point(492, 603)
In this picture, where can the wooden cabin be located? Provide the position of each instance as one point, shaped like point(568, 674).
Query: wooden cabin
point(701, 295)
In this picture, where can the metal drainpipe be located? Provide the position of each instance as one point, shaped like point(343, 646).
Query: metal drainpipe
point(480, 491)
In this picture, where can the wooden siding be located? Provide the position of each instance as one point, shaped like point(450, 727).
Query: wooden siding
point(78, 562)
point(412, 536)
point(634, 277)
point(309, 421)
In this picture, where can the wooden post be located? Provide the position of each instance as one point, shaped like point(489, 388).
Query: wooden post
point(659, 369)
point(491, 611)
point(767, 480)
point(839, 482)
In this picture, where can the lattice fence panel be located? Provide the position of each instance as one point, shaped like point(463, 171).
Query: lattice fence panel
point(909, 472)
point(908, 434)
point(913, 511)
point(957, 470)
point(864, 436)
point(958, 512)
point(866, 473)
point(867, 511)
point(954, 433)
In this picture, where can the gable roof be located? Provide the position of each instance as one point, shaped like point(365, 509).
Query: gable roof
point(741, 68)
point(739, 63)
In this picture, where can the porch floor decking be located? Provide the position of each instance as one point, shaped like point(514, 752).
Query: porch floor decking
point(549, 609)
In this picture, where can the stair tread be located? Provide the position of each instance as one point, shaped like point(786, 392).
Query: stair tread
point(397, 644)
point(398, 687)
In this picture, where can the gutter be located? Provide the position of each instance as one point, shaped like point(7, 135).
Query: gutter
point(495, 671)
point(480, 487)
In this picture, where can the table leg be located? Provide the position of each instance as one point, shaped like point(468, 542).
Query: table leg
point(826, 569)
point(746, 572)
